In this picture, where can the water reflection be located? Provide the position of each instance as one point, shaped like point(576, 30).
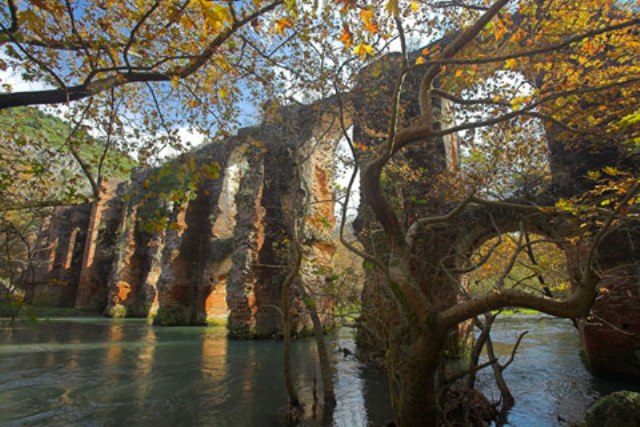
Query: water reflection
point(114, 336)
point(100, 372)
point(144, 367)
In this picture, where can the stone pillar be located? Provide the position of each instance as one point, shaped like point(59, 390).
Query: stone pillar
point(248, 238)
point(96, 260)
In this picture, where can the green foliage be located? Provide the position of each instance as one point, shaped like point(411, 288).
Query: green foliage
point(31, 124)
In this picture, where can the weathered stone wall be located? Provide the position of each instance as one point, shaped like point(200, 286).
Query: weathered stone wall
point(58, 257)
point(206, 238)
point(98, 247)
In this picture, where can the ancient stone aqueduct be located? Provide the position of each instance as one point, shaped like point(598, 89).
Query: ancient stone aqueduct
point(218, 254)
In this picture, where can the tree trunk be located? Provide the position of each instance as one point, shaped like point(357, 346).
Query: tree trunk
point(294, 402)
point(413, 376)
point(323, 354)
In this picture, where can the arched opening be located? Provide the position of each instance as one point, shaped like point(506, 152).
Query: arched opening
point(216, 310)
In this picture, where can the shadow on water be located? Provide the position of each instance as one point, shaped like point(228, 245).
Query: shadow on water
point(99, 372)
point(103, 372)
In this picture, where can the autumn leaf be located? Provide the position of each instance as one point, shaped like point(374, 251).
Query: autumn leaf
point(216, 17)
point(346, 38)
point(415, 6)
point(611, 171)
point(630, 119)
point(500, 31)
point(31, 19)
point(363, 50)
point(346, 5)
point(420, 60)
point(518, 102)
point(510, 63)
point(283, 24)
point(392, 8)
point(371, 27)
point(366, 15)
point(48, 5)
point(518, 36)
point(594, 175)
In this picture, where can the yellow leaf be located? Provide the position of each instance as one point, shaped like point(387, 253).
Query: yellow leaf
point(392, 7)
point(216, 16)
point(517, 102)
point(283, 24)
point(366, 15)
point(459, 73)
point(363, 50)
point(594, 175)
point(420, 60)
point(510, 63)
point(175, 81)
point(612, 171)
point(223, 92)
point(415, 6)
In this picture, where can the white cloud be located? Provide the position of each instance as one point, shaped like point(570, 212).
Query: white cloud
point(13, 78)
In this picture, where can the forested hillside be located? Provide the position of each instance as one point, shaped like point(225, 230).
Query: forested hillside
point(41, 155)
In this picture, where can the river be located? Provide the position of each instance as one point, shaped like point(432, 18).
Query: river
point(100, 372)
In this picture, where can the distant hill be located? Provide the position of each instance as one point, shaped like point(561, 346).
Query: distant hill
point(36, 163)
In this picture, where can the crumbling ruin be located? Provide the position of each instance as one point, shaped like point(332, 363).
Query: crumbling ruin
point(161, 247)
point(216, 252)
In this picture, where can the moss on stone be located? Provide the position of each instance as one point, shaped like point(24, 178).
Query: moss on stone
point(117, 311)
point(173, 315)
point(216, 321)
point(620, 409)
point(242, 333)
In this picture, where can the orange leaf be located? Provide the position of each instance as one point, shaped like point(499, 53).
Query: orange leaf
point(371, 27)
point(346, 4)
point(366, 15)
point(283, 24)
point(346, 38)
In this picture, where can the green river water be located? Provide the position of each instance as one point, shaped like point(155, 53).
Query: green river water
point(100, 372)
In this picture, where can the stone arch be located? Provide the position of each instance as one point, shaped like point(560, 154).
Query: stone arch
point(219, 259)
